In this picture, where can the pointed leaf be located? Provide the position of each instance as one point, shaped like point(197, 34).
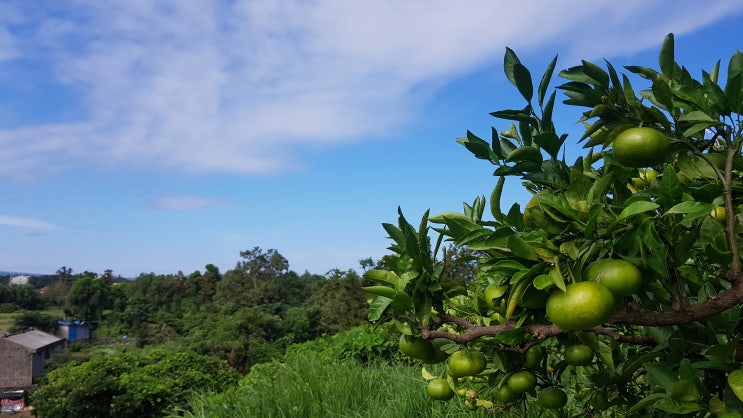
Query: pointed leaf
point(596, 73)
point(666, 57)
point(544, 83)
point(521, 248)
point(510, 60)
point(636, 208)
point(522, 77)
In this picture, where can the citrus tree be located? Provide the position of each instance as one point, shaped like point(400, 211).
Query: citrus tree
point(617, 290)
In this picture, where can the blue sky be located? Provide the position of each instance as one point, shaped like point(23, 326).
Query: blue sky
point(155, 136)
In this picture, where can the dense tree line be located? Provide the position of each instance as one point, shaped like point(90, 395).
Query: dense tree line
point(245, 315)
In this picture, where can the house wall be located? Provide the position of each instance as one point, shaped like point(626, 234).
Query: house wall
point(16, 365)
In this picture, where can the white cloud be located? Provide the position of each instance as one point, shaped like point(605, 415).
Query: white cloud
point(25, 222)
point(180, 203)
point(205, 85)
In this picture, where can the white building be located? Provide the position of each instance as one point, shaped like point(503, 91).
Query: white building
point(19, 280)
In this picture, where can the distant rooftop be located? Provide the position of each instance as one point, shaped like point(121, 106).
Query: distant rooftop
point(33, 339)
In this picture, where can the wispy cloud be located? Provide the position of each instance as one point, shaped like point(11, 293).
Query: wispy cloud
point(26, 222)
point(207, 85)
point(181, 203)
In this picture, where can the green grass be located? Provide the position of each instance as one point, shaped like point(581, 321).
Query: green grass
point(309, 386)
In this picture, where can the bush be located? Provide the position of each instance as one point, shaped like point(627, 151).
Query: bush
point(124, 385)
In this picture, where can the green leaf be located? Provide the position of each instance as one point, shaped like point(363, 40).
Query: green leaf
point(549, 141)
point(666, 56)
point(510, 114)
point(636, 208)
point(629, 94)
point(676, 407)
point(644, 72)
point(735, 65)
point(556, 277)
point(544, 83)
point(525, 153)
point(596, 73)
point(691, 207)
point(476, 146)
point(399, 299)
point(647, 401)
point(662, 94)
point(509, 62)
point(547, 124)
point(542, 281)
point(523, 81)
point(696, 116)
point(662, 375)
point(734, 92)
point(512, 336)
point(685, 390)
point(383, 277)
point(735, 380)
point(495, 198)
point(521, 248)
point(377, 306)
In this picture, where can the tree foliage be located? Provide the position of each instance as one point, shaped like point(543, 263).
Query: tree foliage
point(671, 347)
point(129, 385)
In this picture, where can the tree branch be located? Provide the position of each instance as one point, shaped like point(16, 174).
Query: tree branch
point(538, 331)
point(708, 307)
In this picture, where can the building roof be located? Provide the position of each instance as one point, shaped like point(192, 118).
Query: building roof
point(34, 339)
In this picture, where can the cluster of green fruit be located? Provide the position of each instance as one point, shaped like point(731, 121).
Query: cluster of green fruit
point(489, 387)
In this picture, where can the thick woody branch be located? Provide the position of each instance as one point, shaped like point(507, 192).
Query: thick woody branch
point(708, 307)
point(538, 331)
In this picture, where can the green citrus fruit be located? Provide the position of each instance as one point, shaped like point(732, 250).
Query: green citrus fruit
point(640, 147)
point(522, 381)
point(582, 305)
point(466, 362)
point(552, 398)
point(439, 389)
point(505, 394)
point(718, 213)
point(579, 355)
point(415, 347)
point(535, 217)
point(645, 178)
point(621, 277)
point(493, 293)
point(533, 357)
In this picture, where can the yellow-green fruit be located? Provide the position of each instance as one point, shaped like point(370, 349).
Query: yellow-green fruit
point(522, 381)
point(582, 305)
point(533, 357)
point(718, 213)
point(579, 355)
point(640, 147)
point(466, 362)
point(645, 178)
point(493, 294)
point(505, 394)
point(621, 277)
point(552, 398)
point(439, 389)
point(415, 347)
